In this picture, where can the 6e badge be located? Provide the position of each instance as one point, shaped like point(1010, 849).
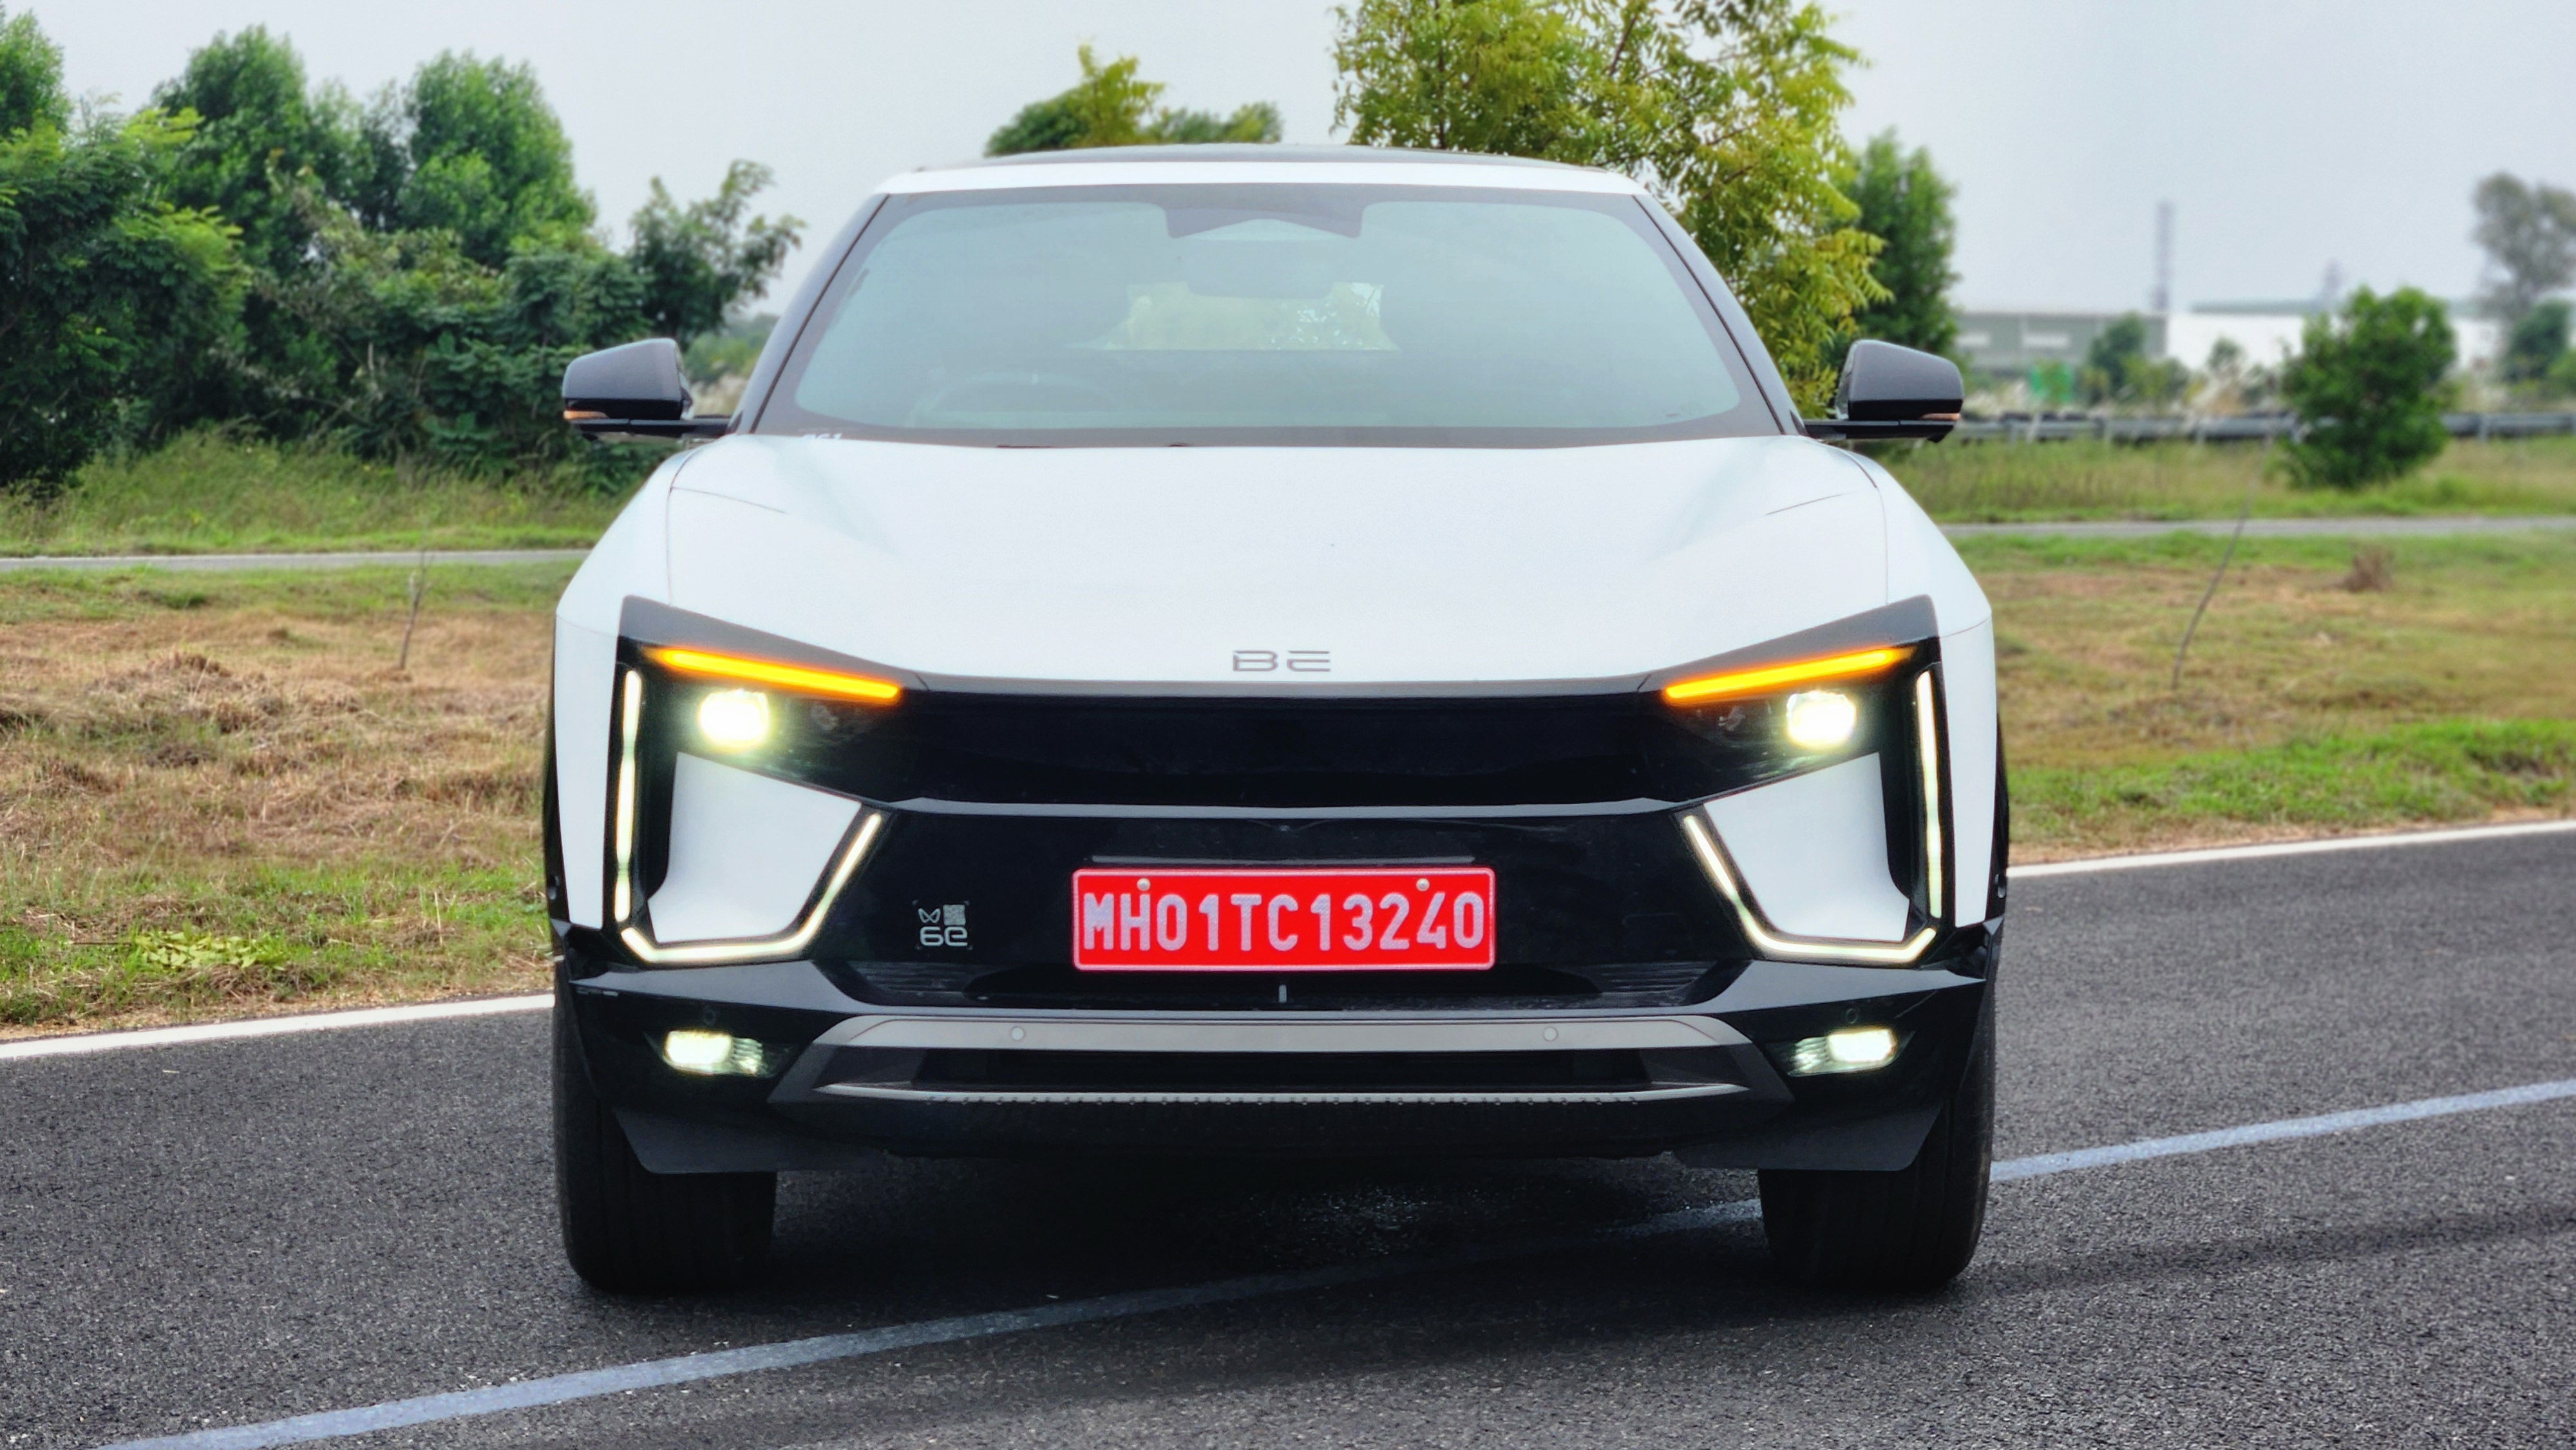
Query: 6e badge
point(942, 926)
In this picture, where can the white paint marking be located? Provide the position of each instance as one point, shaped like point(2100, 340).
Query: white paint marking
point(2292, 848)
point(269, 1026)
point(70, 1046)
point(718, 1364)
point(2042, 1164)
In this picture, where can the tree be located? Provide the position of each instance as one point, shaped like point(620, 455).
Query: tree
point(259, 127)
point(471, 147)
point(2368, 385)
point(2529, 233)
point(1725, 110)
point(2536, 343)
point(1111, 106)
point(698, 260)
point(31, 78)
point(1906, 205)
point(108, 294)
point(420, 273)
point(2231, 382)
point(256, 250)
point(2117, 369)
point(263, 138)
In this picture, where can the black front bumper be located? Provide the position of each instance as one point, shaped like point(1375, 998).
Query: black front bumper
point(1703, 1079)
point(985, 805)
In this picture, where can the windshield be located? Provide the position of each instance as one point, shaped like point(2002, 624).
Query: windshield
point(1264, 314)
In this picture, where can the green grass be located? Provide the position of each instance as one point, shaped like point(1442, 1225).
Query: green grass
point(367, 593)
point(2453, 770)
point(209, 494)
point(266, 938)
point(2004, 482)
point(2541, 561)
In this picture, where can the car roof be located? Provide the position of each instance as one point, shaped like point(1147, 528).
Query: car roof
point(1310, 165)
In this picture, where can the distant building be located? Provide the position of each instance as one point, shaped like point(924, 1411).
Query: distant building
point(2015, 341)
point(2001, 342)
point(2265, 332)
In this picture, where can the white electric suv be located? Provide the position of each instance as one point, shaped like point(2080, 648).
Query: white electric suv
point(1262, 650)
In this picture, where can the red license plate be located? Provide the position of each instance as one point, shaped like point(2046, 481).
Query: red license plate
point(1284, 919)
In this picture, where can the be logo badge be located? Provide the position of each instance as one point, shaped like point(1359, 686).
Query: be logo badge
point(943, 926)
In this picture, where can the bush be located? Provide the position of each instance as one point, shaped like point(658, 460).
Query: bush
point(2368, 386)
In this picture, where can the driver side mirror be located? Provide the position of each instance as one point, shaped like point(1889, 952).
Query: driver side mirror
point(1893, 392)
point(637, 391)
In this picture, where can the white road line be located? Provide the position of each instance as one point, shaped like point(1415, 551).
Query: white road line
point(2447, 837)
point(269, 1026)
point(71, 1046)
point(719, 1364)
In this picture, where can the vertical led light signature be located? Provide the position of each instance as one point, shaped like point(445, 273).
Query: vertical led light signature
point(630, 711)
point(1927, 735)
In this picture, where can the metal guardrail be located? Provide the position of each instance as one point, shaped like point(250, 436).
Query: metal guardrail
point(2058, 428)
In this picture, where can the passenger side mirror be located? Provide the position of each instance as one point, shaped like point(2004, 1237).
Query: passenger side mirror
point(638, 391)
point(1893, 392)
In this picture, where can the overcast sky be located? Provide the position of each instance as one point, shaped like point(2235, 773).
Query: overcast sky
point(2290, 134)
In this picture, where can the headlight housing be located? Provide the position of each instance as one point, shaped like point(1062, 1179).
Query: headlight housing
point(756, 714)
point(1883, 701)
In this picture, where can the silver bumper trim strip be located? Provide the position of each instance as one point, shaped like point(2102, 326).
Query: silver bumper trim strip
point(1251, 1032)
point(997, 1097)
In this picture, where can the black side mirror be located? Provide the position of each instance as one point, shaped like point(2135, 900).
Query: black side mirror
point(637, 390)
point(1893, 392)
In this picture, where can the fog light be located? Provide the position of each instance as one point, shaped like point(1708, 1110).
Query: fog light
point(1849, 1049)
point(713, 1054)
point(734, 719)
point(1821, 719)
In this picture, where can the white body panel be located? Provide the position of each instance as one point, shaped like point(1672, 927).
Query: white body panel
point(1154, 565)
point(746, 851)
point(1140, 566)
point(630, 558)
point(1813, 849)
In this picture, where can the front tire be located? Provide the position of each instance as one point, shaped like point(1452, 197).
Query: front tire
point(629, 1231)
point(1910, 1230)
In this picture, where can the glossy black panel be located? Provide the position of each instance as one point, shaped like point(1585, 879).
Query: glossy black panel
point(1269, 753)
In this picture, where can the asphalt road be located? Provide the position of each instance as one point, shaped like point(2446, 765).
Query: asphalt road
point(2087, 529)
point(235, 1232)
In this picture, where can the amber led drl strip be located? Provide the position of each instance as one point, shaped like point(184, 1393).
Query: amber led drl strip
point(797, 678)
point(1735, 683)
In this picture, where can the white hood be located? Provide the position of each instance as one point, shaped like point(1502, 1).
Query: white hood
point(1160, 565)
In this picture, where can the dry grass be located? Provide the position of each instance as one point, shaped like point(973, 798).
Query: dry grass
point(222, 797)
point(2328, 688)
point(2477, 628)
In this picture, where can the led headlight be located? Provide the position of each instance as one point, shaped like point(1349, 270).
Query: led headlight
point(734, 719)
point(1819, 719)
